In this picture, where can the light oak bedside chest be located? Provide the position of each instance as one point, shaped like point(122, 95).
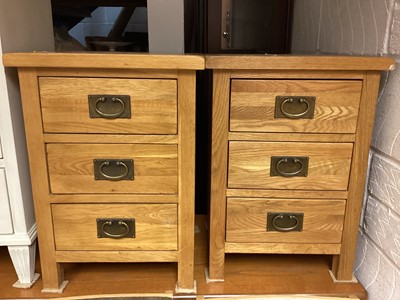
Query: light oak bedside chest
point(111, 143)
point(289, 153)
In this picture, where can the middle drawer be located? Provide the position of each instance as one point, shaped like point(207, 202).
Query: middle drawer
point(99, 168)
point(289, 165)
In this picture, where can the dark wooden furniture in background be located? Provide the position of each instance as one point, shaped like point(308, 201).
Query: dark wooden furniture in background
point(240, 26)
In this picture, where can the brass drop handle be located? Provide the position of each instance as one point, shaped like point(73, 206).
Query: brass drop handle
point(285, 221)
point(285, 229)
point(110, 177)
point(289, 115)
point(285, 160)
point(110, 115)
point(116, 236)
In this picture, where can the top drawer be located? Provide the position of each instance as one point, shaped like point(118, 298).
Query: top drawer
point(151, 107)
point(254, 107)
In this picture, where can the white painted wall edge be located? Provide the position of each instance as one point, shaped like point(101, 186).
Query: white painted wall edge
point(166, 26)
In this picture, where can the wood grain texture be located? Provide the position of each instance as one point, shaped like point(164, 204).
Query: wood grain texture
point(247, 218)
point(293, 62)
point(113, 198)
point(280, 248)
point(116, 256)
point(296, 74)
point(159, 138)
point(110, 139)
point(253, 105)
point(75, 226)
point(52, 272)
point(186, 163)
point(245, 275)
point(107, 73)
point(103, 60)
point(291, 137)
point(71, 168)
point(65, 105)
point(328, 165)
point(343, 265)
point(218, 180)
point(299, 194)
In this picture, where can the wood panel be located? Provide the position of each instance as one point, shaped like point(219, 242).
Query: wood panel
point(116, 256)
point(279, 248)
point(71, 168)
point(343, 265)
point(296, 74)
point(107, 73)
point(291, 137)
point(75, 226)
point(103, 60)
point(52, 272)
point(328, 165)
point(293, 62)
point(65, 106)
point(113, 198)
point(253, 105)
point(110, 139)
point(306, 194)
point(218, 180)
point(186, 192)
point(247, 219)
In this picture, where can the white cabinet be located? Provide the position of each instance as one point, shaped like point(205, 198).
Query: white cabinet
point(25, 25)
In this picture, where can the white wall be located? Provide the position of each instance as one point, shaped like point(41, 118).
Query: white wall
point(367, 27)
point(166, 26)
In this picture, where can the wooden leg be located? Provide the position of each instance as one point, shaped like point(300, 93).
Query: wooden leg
point(53, 277)
point(216, 251)
point(342, 266)
point(342, 271)
point(219, 162)
point(186, 161)
point(23, 258)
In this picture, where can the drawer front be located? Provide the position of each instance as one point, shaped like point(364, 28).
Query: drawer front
point(327, 165)
point(76, 228)
point(153, 168)
point(254, 107)
point(65, 105)
point(322, 220)
point(6, 225)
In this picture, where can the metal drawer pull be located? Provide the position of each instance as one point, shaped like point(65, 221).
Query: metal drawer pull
point(109, 106)
point(113, 169)
point(116, 236)
point(115, 228)
point(107, 115)
point(285, 222)
point(289, 166)
point(119, 177)
point(294, 107)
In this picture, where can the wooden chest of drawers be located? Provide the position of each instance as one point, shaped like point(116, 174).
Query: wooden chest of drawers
point(111, 142)
point(290, 143)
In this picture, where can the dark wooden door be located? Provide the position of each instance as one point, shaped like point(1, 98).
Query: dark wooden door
point(243, 26)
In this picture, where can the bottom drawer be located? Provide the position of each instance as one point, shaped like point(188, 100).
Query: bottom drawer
point(315, 221)
point(77, 226)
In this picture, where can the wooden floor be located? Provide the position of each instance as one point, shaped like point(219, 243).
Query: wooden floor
point(244, 275)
